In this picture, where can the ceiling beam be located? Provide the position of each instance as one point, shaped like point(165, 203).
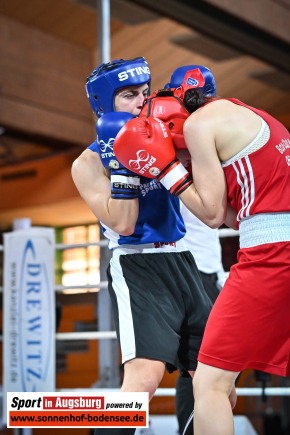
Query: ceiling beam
point(226, 28)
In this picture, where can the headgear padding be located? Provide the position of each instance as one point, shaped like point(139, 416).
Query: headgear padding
point(108, 78)
point(168, 107)
point(208, 87)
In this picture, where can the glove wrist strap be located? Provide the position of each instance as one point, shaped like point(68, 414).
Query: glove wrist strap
point(132, 180)
point(173, 174)
point(125, 186)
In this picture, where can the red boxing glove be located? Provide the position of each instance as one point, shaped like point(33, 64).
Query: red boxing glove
point(145, 146)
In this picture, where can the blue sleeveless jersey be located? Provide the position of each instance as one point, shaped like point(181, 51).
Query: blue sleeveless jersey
point(159, 217)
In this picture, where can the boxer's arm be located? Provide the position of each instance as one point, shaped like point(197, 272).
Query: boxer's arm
point(207, 197)
point(94, 186)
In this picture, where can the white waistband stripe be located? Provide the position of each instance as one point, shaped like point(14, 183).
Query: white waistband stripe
point(264, 228)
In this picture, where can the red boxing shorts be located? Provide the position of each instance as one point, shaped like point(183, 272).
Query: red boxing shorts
point(249, 325)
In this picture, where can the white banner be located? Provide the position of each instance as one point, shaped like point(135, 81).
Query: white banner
point(29, 311)
point(75, 410)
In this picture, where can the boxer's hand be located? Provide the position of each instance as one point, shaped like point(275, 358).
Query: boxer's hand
point(124, 183)
point(145, 146)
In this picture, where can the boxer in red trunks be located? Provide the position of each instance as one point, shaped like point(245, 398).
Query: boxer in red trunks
point(240, 158)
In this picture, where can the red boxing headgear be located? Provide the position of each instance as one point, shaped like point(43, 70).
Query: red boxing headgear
point(166, 105)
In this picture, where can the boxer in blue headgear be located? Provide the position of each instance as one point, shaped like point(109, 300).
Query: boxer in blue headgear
point(117, 86)
point(106, 80)
point(159, 305)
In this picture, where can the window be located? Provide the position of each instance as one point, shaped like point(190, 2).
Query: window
point(80, 265)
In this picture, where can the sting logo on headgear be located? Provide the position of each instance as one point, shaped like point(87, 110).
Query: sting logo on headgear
point(130, 74)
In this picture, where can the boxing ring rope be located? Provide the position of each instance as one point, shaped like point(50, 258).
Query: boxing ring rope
point(223, 232)
point(227, 232)
point(109, 335)
point(102, 284)
point(63, 246)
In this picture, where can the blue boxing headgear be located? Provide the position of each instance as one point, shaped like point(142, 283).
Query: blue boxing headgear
point(209, 87)
point(108, 78)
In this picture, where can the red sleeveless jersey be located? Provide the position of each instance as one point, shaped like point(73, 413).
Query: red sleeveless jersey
point(260, 182)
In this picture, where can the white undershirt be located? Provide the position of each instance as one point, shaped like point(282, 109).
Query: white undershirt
point(203, 242)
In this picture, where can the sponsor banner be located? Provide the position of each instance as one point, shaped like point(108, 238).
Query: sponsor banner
point(29, 311)
point(75, 410)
